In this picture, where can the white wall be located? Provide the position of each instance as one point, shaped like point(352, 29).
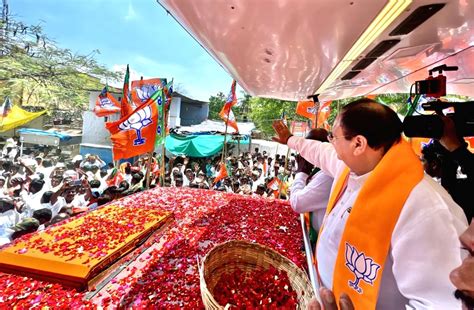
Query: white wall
point(270, 147)
point(93, 127)
point(174, 119)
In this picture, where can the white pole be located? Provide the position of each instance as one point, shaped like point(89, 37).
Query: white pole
point(313, 275)
point(21, 146)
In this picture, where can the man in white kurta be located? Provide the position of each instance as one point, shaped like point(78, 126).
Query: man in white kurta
point(424, 244)
point(311, 194)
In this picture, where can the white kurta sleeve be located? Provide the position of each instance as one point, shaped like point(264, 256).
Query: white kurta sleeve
point(320, 154)
point(308, 197)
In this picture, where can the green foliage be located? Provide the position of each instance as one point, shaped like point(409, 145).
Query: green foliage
point(398, 102)
point(263, 111)
point(215, 105)
point(34, 71)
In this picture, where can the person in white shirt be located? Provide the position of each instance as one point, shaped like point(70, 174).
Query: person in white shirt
point(311, 194)
point(10, 149)
point(256, 180)
point(32, 197)
point(9, 217)
point(92, 161)
point(63, 198)
point(188, 177)
point(424, 245)
point(45, 168)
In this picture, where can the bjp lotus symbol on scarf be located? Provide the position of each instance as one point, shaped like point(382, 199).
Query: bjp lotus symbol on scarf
point(137, 121)
point(364, 268)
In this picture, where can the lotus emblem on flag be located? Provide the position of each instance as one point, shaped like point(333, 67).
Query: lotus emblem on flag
point(145, 92)
point(137, 121)
point(106, 103)
point(364, 268)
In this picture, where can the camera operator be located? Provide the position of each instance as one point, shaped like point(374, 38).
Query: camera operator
point(441, 160)
point(457, 148)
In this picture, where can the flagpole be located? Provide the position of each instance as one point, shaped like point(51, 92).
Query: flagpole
point(276, 151)
point(148, 170)
point(238, 145)
point(225, 139)
point(163, 146)
point(315, 122)
point(284, 170)
point(162, 168)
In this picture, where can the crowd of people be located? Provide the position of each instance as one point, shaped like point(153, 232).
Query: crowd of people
point(250, 173)
point(43, 186)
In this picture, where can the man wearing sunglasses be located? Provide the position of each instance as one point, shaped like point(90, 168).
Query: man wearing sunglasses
point(390, 235)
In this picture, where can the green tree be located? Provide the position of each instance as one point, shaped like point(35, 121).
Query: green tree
point(263, 111)
point(33, 70)
point(242, 109)
point(398, 102)
point(215, 105)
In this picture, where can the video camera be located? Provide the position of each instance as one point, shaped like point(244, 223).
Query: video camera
point(432, 126)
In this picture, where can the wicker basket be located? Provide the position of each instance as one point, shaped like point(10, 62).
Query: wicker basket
point(228, 256)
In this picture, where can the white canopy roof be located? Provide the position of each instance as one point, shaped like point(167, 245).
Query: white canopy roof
point(216, 126)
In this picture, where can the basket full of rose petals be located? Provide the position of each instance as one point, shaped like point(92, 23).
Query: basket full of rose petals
point(238, 274)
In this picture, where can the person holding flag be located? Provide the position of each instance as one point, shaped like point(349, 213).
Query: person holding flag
point(228, 116)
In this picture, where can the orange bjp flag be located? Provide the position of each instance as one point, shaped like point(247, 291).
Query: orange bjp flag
point(222, 174)
point(306, 108)
point(226, 113)
point(115, 178)
point(274, 185)
point(323, 115)
point(106, 104)
point(135, 134)
point(143, 89)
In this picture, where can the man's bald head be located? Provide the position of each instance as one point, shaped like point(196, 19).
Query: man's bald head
point(319, 134)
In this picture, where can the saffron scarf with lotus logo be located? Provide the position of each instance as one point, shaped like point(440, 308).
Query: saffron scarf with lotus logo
point(366, 239)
